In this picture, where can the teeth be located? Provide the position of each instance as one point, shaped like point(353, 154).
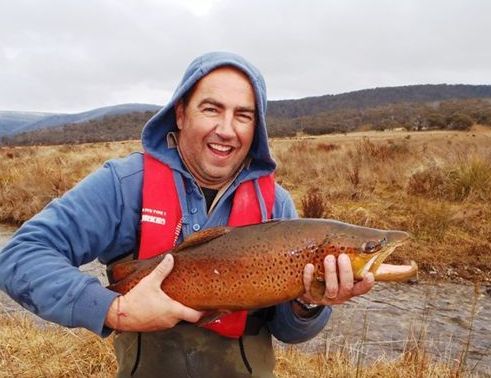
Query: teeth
point(369, 265)
point(220, 147)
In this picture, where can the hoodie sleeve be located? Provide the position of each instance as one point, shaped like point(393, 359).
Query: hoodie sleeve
point(39, 266)
point(285, 325)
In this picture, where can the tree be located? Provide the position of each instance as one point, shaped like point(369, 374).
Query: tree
point(459, 121)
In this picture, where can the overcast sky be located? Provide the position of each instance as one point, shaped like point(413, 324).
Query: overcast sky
point(70, 55)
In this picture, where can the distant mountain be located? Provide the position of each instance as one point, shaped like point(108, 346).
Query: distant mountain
point(11, 120)
point(375, 97)
point(109, 128)
point(12, 123)
point(417, 107)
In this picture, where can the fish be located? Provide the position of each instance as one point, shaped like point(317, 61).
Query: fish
point(261, 265)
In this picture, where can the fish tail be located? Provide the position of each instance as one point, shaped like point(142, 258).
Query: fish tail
point(119, 271)
point(122, 286)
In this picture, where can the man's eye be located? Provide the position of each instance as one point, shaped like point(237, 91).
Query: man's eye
point(245, 117)
point(210, 110)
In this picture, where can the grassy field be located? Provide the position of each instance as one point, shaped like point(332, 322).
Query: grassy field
point(28, 350)
point(436, 185)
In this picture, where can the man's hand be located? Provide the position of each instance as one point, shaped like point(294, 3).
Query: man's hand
point(147, 308)
point(340, 287)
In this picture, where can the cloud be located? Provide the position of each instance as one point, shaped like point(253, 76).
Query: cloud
point(72, 56)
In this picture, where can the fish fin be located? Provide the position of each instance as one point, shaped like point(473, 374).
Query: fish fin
point(202, 237)
point(117, 271)
point(211, 317)
point(317, 289)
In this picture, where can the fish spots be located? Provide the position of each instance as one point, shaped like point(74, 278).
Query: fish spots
point(254, 266)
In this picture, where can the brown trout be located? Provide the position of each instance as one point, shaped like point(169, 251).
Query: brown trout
point(242, 268)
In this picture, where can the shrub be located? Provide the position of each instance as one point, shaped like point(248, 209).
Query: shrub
point(313, 204)
point(430, 220)
point(459, 121)
point(469, 177)
point(327, 147)
point(429, 182)
point(381, 151)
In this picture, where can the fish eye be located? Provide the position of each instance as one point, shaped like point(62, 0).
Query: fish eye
point(371, 246)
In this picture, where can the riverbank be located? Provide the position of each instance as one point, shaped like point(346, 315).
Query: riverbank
point(435, 185)
point(392, 331)
point(399, 330)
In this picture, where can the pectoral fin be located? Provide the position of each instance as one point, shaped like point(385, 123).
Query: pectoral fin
point(211, 317)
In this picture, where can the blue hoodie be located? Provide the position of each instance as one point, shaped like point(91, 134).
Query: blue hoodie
point(99, 219)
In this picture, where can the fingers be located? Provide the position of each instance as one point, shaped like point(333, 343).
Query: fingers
point(365, 285)
point(162, 270)
point(346, 279)
point(339, 281)
point(188, 314)
point(181, 312)
point(331, 277)
point(146, 307)
point(308, 273)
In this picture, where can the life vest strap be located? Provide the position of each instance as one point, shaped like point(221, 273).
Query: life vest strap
point(161, 222)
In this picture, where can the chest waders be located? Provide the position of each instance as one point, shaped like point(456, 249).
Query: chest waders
point(236, 345)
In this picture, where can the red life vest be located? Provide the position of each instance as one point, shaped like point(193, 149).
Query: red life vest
point(161, 222)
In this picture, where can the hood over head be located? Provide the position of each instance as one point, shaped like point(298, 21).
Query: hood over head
point(154, 135)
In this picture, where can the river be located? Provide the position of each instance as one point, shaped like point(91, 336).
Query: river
point(442, 317)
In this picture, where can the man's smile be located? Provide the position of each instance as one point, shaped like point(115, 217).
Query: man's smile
point(220, 149)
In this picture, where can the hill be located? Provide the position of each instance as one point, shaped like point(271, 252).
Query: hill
point(12, 123)
point(109, 128)
point(12, 120)
point(450, 114)
point(375, 97)
point(418, 107)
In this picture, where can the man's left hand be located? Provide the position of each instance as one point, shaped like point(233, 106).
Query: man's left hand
point(340, 283)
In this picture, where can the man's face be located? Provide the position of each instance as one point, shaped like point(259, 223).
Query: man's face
point(216, 127)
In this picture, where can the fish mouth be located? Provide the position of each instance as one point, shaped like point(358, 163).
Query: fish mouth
point(390, 272)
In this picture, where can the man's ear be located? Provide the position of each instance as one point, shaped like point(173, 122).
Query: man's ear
point(179, 109)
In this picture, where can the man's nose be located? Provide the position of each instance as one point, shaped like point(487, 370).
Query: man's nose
point(225, 126)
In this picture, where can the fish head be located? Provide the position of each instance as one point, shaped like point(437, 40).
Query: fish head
point(367, 249)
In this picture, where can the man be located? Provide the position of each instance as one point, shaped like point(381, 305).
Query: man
point(206, 154)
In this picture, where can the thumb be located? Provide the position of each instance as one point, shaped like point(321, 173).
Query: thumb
point(163, 269)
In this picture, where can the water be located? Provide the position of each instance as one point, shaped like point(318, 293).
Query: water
point(439, 316)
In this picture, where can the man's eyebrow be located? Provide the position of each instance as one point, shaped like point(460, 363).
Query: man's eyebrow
point(245, 109)
point(218, 104)
point(211, 102)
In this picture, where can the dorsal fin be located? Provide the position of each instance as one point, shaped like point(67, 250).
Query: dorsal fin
point(202, 237)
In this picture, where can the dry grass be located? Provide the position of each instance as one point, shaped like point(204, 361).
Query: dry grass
point(436, 185)
point(32, 176)
point(30, 349)
point(466, 177)
point(293, 363)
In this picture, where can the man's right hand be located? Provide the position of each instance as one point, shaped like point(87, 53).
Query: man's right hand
point(147, 308)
